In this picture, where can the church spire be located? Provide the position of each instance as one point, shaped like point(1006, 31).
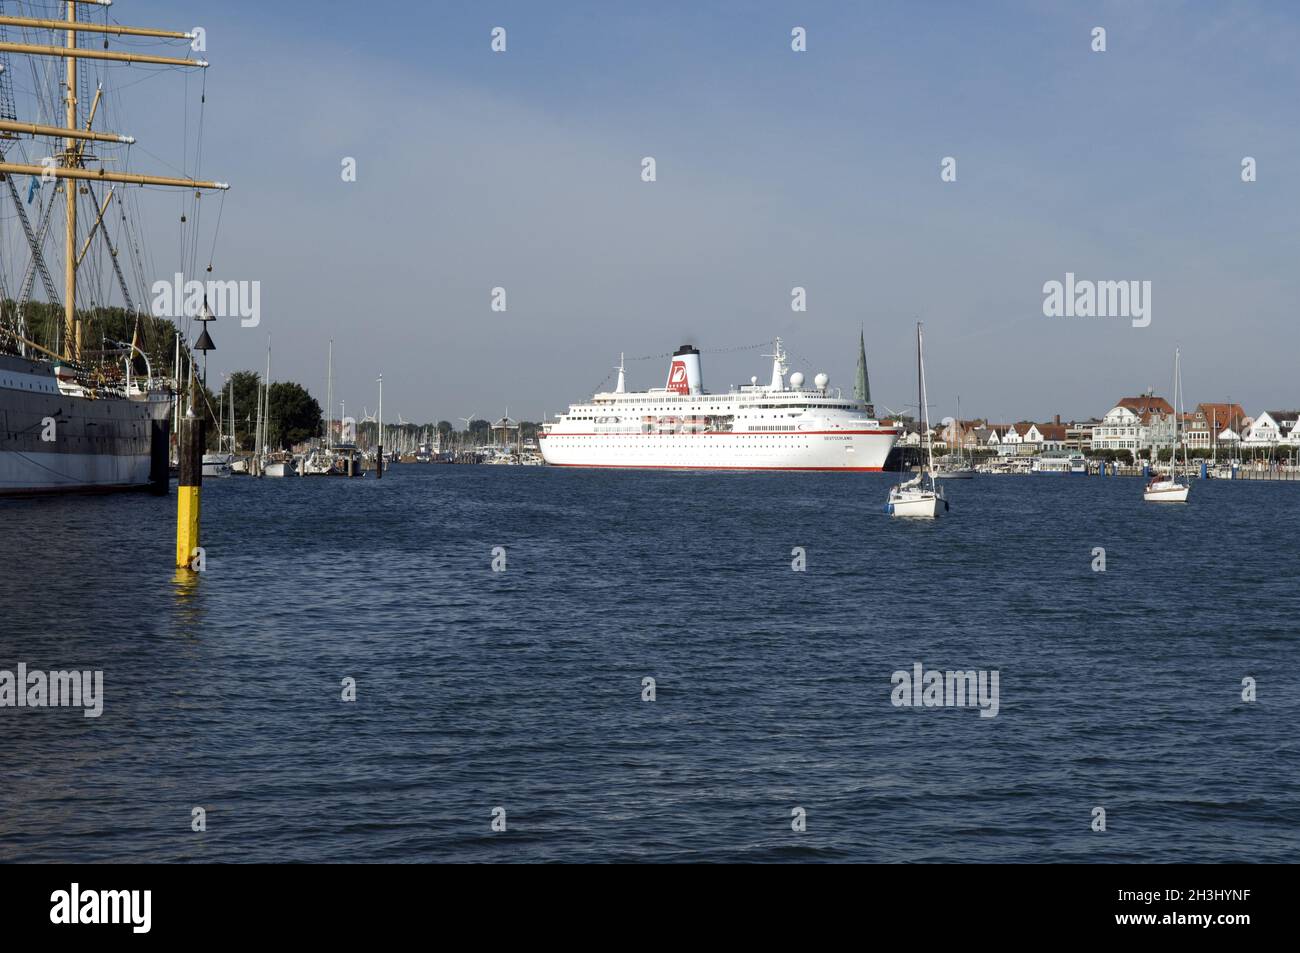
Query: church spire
point(861, 386)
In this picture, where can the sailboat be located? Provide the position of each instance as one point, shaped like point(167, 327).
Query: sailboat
point(78, 415)
point(920, 496)
point(219, 463)
point(1173, 489)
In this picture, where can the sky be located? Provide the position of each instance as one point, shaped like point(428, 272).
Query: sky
point(775, 169)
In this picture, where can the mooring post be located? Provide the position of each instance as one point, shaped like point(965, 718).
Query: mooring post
point(160, 432)
point(189, 489)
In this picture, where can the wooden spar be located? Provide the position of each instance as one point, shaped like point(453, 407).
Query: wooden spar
point(33, 344)
point(90, 236)
point(36, 129)
point(75, 136)
point(102, 175)
point(38, 24)
point(76, 52)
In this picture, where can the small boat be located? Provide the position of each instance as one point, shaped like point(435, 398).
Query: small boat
point(1171, 489)
point(955, 473)
point(919, 497)
point(218, 465)
point(279, 468)
point(1166, 490)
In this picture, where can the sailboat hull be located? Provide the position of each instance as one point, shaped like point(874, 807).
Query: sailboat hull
point(1166, 493)
point(98, 445)
point(927, 507)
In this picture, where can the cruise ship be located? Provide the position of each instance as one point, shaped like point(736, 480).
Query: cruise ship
point(780, 425)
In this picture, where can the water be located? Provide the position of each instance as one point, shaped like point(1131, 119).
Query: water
point(522, 689)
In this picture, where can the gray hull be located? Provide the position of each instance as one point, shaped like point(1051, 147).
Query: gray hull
point(105, 444)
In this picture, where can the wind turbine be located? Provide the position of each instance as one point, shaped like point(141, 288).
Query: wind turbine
point(467, 423)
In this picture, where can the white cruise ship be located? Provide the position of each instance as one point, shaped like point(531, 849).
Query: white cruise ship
point(779, 425)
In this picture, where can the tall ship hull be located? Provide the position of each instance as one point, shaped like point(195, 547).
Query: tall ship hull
point(781, 425)
point(54, 438)
point(81, 408)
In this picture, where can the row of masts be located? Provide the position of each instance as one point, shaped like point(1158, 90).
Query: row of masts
point(71, 167)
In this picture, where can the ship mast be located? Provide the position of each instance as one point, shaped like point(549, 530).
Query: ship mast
point(71, 326)
point(71, 168)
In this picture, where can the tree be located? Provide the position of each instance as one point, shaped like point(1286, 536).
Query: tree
point(295, 414)
point(247, 385)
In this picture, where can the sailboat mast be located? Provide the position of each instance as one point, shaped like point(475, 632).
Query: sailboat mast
point(1178, 373)
point(266, 401)
point(71, 327)
point(925, 407)
point(329, 401)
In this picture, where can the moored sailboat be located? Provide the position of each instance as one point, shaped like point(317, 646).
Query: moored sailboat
point(1173, 488)
point(920, 496)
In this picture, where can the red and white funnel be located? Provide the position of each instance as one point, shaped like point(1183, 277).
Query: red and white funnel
point(684, 375)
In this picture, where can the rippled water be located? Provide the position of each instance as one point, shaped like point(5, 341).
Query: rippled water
point(522, 689)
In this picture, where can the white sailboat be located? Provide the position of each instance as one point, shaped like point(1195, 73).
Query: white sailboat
point(919, 497)
point(220, 463)
point(1172, 489)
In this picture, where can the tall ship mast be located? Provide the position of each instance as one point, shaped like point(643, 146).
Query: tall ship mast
point(84, 393)
point(783, 424)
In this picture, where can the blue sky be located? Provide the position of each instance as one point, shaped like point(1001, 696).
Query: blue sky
point(775, 169)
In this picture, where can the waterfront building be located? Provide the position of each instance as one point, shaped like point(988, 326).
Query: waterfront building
point(1272, 428)
point(1136, 424)
point(1078, 435)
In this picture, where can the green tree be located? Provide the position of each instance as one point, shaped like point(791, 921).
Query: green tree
point(295, 414)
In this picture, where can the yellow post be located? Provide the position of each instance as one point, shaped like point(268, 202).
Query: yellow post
point(189, 491)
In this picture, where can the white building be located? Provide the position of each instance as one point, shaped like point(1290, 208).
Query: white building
point(1272, 428)
point(1135, 424)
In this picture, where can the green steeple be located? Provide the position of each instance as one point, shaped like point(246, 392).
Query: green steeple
point(861, 387)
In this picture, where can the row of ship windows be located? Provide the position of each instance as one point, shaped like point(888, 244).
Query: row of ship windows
point(712, 445)
point(22, 385)
point(679, 409)
point(727, 417)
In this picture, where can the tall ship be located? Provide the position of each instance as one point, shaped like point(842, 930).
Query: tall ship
point(779, 425)
point(85, 399)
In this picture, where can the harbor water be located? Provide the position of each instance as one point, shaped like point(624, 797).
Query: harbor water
point(500, 623)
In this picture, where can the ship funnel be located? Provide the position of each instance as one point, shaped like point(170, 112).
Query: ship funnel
point(684, 375)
